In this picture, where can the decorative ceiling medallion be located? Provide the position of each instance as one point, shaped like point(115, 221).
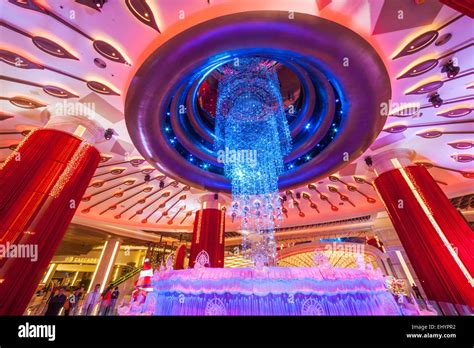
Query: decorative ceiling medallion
point(59, 92)
point(4, 116)
point(361, 180)
point(108, 51)
point(147, 170)
point(100, 88)
point(419, 69)
point(26, 103)
point(418, 43)
point(459, 112)
point(426, 88)
point(28, 4)
point(137, 161)
point(142, 12)
point(104, 158)
point(463, 158)
point(102, 47)
point(430, 134)
point(443, 39)
point(398, 128)
point(462, 145)
point(117, 171)
point(18, 61)
point(21, 62)
point(52, 48)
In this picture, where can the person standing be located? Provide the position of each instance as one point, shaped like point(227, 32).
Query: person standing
point(105, 304)
point(92, 299)
point(417, 292)
point(113, 300)
point(56, 302)
point(70, 306)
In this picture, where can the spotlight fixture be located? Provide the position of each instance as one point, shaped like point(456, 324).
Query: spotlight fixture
point(216, 196)
point(147, 177)
point(436, 100)
point(368, 161)
point(99, 3)
point(162, 184)
point(450, 69)
point(109, 132)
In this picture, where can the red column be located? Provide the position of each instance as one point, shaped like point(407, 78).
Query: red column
point(434, 235)
point(208, 235)
point(42, 183)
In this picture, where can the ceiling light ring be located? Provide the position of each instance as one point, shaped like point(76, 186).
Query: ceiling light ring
point(309, 38)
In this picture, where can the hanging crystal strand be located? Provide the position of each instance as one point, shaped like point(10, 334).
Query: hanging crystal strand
point(250, 118)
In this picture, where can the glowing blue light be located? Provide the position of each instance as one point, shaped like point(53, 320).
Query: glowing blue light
point(252, 135)
point(307, 125)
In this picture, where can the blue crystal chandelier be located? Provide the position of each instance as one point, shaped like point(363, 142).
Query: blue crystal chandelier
point(252, 138)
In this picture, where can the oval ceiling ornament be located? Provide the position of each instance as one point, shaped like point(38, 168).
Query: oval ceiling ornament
point(29, 5)
point(141, 10)
point(18, 61)
point(399, 128)
point(418, 43)
point(52, 48)
point(26, 103)
point(453, 113)
point(463, 158)
point(462, 145)
point(100, 88)
point(426, 88)
point(59, 92)
point(432, 134)
point(419, 69)
point(4, 116)
point(108, 51)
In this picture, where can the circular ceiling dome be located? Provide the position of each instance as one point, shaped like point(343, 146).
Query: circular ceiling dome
point(334, 115)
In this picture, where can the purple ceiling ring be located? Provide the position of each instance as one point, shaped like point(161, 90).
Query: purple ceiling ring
point(314, 42)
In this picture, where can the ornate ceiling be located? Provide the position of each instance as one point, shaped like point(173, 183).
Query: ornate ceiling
point(62, 57)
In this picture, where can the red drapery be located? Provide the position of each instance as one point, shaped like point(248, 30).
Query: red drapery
point(208, 235)
point(42, 185)
point(455, 228)
point(441, 277)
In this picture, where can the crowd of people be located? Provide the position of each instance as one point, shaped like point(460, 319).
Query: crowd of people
point(67, 301)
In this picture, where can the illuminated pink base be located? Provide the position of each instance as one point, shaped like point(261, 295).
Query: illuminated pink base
point(268, 291)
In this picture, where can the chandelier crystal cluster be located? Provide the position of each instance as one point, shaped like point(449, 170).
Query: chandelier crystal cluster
point(252, 138)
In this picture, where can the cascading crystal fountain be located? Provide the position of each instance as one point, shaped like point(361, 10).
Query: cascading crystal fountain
point(252, 138)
